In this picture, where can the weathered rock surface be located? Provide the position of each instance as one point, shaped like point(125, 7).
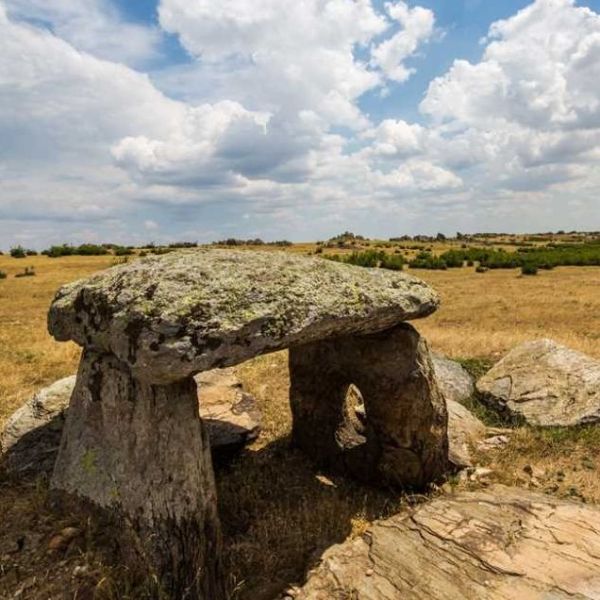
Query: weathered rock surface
point(399, 435)
point(31, 437)
point(465, 431)
point(499, 544)
point(174, 315)
point(231, 416)
point(453, 379)
point(545, 384)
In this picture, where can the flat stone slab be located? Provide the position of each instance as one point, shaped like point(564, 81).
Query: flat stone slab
point(31, 436)
point(498, 544)
point(545, 384)
point(181, 313)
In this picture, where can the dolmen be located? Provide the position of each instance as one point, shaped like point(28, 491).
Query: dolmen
point(133, 442)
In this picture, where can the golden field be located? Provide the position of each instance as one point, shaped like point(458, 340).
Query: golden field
point(482, 315)
point(278, 512)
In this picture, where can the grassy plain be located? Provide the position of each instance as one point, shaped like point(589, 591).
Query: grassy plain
point(278, 513)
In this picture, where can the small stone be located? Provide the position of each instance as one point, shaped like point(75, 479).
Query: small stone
point(528, 469)
point(369, 572)
point(493, 443)
point(480, 473)
point(60, 541)
point(80, 571)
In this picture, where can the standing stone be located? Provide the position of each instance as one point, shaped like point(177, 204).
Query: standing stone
point(545, 384)
point(402, 437)
point(143, 447)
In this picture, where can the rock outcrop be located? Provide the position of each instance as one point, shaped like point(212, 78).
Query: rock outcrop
point(133, 441)
point(544, 384)
point(30, 440)
point(453, 379)
point(498, 544)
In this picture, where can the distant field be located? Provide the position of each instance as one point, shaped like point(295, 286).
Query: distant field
point(481, 315)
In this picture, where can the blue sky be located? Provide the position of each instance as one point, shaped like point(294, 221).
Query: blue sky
point(195, 119)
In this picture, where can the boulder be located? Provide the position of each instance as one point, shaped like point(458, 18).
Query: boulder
point(544, 384)
point(498, 544)
point(465, 431)
point(170, 316)
point(31, 437)
point(454, 380)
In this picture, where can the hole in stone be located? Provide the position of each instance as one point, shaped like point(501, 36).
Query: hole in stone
point(352, 429)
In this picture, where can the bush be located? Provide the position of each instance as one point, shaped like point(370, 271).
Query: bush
point(3, 275)
point(83, 250)
point(529, 269)
point(18, 252)
point(122, 251)
point(393, 262)
point(481, 269)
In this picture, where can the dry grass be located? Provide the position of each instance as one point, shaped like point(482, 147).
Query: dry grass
point(29, 358)
point(486, 314)
point(278, 512)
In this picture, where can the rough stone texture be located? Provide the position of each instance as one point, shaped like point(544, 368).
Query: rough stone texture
point(498, 544)
point(545, 384)
point(231, 416)
point(453, 379)
point(142, 449)
point(401, 438)
point(31, 437)
point(181, 313)
point(464, 431)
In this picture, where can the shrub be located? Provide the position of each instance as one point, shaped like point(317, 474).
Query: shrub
point(393, 262)
point(481, 269)
point(2, 274)
point(529, 269)
point(122, 251)
point(18, 252)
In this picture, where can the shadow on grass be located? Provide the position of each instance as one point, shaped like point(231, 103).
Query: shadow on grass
point(279, 513)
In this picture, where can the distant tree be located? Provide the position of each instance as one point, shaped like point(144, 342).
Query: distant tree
point(18, 252)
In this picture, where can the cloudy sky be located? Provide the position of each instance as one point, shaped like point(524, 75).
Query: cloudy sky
point(170, 120)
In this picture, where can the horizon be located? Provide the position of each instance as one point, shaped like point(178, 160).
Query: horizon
point(171, 120)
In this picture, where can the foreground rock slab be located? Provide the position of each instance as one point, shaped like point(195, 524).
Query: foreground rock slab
point(499, 544)
point(544, 384)
point(31, 438)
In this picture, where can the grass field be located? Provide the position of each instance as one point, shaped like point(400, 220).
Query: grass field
point(278, 513)
point(482, 315)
